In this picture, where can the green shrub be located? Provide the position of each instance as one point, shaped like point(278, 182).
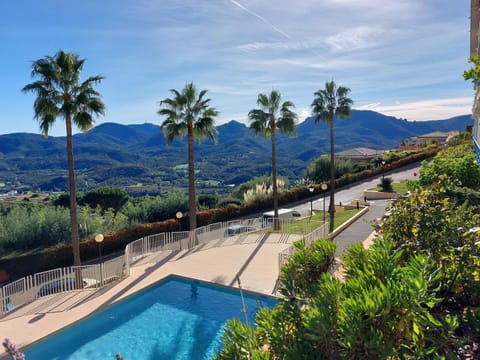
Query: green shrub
point(156, 208)
point(304, 268)
point(456, 162)
point(386, 184)
point(106, 198)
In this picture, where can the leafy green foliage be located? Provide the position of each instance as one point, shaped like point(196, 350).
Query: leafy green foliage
point(27, 226)
point(386, 184)
point(386, 305)
point(106, 198)
point(416, 223)
point(96, 221)
point(457, 162)
point(319, 169)
point(385, 308)
point(432, 223)
point(414, 294)
point(305, 267)
point(474, 72)
point(208, 201)
point(62, 200)
point(156, 208)
point(33, 225)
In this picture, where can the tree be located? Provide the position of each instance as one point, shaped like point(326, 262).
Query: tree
point(189, 113)
point(107, 198)
point(327, 104)
point(319, 169)
point(265, 121)
point(60, 93)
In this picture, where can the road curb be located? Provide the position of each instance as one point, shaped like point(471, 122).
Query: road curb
point(347, 223)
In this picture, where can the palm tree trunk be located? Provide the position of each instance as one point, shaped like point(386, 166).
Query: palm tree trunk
point(331, 207)
point(276, 225)
point(192, 208)
point(73, 195)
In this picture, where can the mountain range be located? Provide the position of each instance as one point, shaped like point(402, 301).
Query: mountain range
point(137, 158)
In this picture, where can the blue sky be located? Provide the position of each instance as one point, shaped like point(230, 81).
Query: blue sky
point(403, 58)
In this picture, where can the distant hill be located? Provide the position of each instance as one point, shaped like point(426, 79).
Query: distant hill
point(136, 156)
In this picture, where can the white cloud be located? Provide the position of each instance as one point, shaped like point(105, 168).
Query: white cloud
point(361, 37)
point(434, 109)
point(385, 51)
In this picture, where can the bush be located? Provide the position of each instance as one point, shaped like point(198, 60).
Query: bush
point(152, 209)
point(457, 162)
point(386, 184)
point(26, 226)
point(384, 309)
point(106, 198)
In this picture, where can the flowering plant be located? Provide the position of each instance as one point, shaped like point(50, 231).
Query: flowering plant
point(11, 349)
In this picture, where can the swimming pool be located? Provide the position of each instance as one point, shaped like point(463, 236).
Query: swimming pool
point(175, 319)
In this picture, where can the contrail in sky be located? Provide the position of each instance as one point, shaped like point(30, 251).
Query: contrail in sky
point(260, 17)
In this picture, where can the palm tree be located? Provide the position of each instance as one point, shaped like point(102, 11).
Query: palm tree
point(329, 103)
point(265, 121)
point(61, 94)
point(189, 113)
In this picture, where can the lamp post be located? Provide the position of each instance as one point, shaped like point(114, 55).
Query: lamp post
point(383, 170)
point(179, 216)
point(99, 240)
point(311, 189)
point(324, 188)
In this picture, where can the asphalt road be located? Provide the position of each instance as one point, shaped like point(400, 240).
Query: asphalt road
point(354, 192)
point(362, 227)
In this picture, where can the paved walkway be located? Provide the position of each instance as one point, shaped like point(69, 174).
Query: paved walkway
point(361, 229)
point(251, 257)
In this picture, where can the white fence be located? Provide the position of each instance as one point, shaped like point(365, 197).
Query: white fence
point(207, 234)
point(319, 233)
point(34, 286)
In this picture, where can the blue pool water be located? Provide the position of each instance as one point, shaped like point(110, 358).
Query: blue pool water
point(176, 319)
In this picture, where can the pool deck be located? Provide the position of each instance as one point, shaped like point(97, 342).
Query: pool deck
point(254, 260)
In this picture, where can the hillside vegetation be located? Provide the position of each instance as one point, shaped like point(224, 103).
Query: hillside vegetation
point(137, 159)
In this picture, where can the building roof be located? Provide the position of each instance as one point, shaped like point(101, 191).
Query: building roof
point(438, 134)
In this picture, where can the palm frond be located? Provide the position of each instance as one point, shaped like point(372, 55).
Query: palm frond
point(60, 94)
point(187, 108)
point(331, 101)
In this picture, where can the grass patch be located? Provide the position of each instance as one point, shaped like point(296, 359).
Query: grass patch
point(342, 216)
point(307, 224)
point(400, 188)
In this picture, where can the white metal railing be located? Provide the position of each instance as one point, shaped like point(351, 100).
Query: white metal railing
point(34, 286)
point(318, 233)
point(284, 255)
point(208, 234)
point(31, 287)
